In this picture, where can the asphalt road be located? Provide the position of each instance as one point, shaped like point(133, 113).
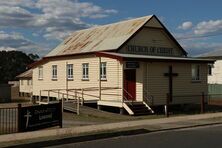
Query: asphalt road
point(202, 137)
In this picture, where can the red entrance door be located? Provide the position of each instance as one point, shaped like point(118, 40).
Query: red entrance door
point(130, 84)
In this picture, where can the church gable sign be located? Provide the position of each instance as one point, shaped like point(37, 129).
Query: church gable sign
point(152, 41)
point(150, 50)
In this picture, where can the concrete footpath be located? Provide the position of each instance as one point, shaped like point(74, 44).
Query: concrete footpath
point(150, 125)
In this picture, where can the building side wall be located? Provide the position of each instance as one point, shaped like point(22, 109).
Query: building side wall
point(139, 82)
point(158, 85)
point(216, 77)
point(114, 77)
point(25, 87)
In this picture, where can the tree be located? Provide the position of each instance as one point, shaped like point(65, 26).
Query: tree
point(13, 63)
point(34, 57)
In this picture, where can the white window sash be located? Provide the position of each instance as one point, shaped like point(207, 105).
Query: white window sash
point(103, 71)
point(40, 76)
point(70, 71)
point(54, 71)
point(195, 72)
point(85, 71)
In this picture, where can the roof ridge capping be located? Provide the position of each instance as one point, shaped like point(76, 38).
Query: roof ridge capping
point(147, 17)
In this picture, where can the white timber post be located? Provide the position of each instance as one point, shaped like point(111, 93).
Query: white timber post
point(67, 96)
point(58, 95)
point(100, 78)
point(78, 105)
point(122, 71)
point(40, 96)
point(62, 102)
point(82, 98)
point(31, 98)
point(48, 96)
point(67, 80)
point(76, 94)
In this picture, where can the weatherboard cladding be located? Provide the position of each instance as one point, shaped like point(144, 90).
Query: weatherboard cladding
point(100, 38)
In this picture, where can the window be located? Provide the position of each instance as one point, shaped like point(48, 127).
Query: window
point(21, 82)
point(29, 82)
point(40, 72)
point(69, 71)
point(103, 71)
point(54, 71)
point(196, 72)
point(85, 71)
point(210, 70)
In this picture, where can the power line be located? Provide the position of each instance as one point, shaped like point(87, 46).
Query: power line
point(200, 36)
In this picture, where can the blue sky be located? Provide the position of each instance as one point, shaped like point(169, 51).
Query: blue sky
point(37, 26)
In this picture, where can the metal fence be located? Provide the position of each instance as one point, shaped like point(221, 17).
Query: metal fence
point(8, 120)
point(16, 118)
point(193, 104)
point(215, 88)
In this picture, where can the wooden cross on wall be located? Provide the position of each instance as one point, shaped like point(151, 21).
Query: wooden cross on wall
point(170, 74)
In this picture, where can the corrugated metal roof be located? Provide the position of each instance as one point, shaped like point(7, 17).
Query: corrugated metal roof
point(136, 56)
point(26, 74)
point(101, 38)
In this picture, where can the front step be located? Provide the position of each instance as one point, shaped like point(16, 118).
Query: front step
point(137, 108)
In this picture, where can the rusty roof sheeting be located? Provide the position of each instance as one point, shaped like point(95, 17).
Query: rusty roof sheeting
point(100, 38)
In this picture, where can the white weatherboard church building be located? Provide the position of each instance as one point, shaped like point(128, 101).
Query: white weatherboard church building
point(114, 65)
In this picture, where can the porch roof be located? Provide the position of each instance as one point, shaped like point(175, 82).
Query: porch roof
point(133, 57)
point(27, 74)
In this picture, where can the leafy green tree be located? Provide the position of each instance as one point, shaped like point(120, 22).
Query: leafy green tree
point(12, 63)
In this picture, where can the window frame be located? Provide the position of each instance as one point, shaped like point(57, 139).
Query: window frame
point(69, 74)
point(40, 72)
point(195, 75)
point(209, 69)
point(54, 72)
point(103, 71)
point(85, 71)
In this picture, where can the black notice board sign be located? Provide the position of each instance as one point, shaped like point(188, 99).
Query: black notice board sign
point(40, 116)
point(132, 64)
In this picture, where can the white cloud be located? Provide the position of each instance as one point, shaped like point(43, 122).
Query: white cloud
point(60, 22)
point(198, 46)
point(7, 49)
point(186, 25)
point(23, 3)
point(65, 16)
point(207, 27)
point(13, 16)
point(50, 19)
point(197, 40)
point(16, 41)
